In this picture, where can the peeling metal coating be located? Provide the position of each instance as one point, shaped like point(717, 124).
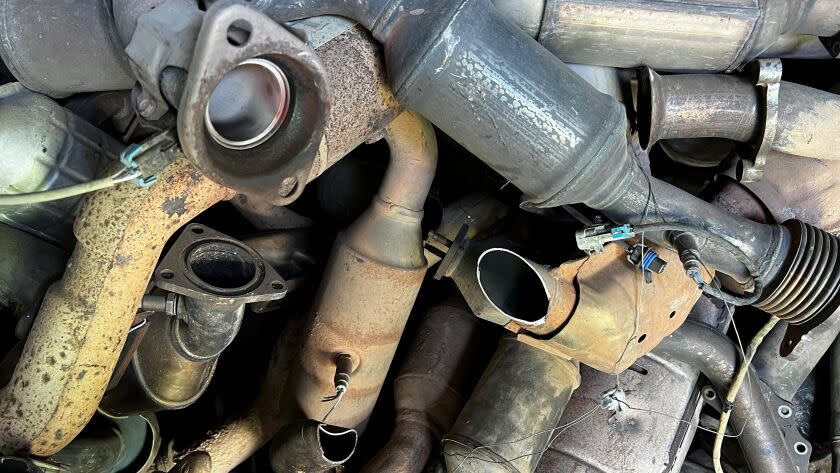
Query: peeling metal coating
point(82, 325)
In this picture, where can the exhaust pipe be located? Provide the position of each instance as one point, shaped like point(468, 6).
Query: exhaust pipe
point(482, 81)
point(733, 107)
point(716, 356)
point(657, 33)
point(432, 386)
point(369, 286)
point(85, 317)
point(509, 420)
point(589, 310)
point(311, 447)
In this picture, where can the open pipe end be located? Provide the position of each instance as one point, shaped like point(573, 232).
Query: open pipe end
point(249, 104)
point(337, 444)
point(645, 108)
point(514, 285)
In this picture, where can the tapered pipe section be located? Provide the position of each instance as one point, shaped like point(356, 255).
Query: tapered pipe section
point(706, 35)
point(372, 278)
point(718, 106)
point(432, 386)
point(311, 447)
point(508, 421)
point(717, 358)
point(85, 317)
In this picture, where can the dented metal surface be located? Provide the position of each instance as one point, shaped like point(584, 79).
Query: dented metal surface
point(81, 327)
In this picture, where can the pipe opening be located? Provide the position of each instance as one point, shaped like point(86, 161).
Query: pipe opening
point(644, 107)
point(512, 285)
point(337, 444)
point(248, 105)
point(222, 265)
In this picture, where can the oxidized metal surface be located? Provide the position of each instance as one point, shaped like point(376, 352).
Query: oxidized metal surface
point(807, 189)
point(283, 157)
point(651, 434)
point(83, 321)
point(362, 308)
point(617, 317)
point(370, 283)
point(234, 441)
point(362, 100)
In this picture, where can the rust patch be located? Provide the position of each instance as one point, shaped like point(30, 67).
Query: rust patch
point(94, 301)
point(174, 206)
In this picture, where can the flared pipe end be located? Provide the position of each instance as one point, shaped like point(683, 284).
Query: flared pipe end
point(520, 289)
point(647, 118)
point(312, 447)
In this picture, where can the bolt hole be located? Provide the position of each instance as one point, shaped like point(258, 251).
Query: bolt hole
point(277, 285)
point(785, 412)
point(642, 338)
point(167, 274)
point(238, 33)
point(197, 230)
point(709, 394)
point(672, 314)
point(800, 448)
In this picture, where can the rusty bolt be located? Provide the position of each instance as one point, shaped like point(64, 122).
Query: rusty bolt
point(287, 186)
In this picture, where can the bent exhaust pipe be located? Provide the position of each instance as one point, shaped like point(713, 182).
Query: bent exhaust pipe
point(311, 447)
point(733, 107)
point(370, 283)
point(509, 419)
point(431, 387)
point(85, 317)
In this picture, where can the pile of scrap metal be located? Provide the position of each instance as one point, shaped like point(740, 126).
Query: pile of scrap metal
point(406, 236)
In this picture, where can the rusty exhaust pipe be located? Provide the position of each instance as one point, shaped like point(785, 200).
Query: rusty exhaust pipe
point(586, 309)
point(83, 322)
point(432, 386)
point(370, 283)
point(734, 107)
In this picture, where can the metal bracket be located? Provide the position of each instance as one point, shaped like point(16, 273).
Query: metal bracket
point(767, 74)
point(592, 239)
point(164, 37)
